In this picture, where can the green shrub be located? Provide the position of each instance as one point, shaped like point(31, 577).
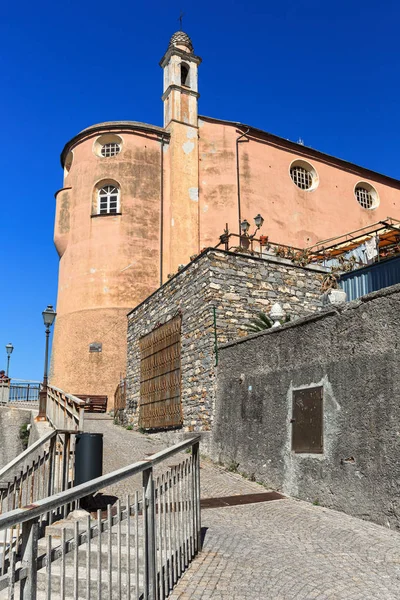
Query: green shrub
point(24, 435)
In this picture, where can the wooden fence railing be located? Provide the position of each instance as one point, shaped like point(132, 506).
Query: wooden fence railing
point(120, 396)
point(64, 411)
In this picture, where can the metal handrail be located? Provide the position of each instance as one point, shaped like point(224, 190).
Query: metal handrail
point(249, 241)
point(166, 531)
point(28, 513)
point(24, 392)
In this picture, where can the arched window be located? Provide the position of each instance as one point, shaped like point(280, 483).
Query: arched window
point(185, 74)
point(108, 200)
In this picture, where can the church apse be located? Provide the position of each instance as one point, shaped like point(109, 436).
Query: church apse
point(110, 259)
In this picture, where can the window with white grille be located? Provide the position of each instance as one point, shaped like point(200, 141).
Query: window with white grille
point(301, 177)
point(111, 149)
point(108, 200)
point(364, 197)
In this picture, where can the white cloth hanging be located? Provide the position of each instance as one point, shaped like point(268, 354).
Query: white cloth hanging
point(371, 249)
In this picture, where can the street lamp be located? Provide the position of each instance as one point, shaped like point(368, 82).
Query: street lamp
point(9, 349)
point(49, 314)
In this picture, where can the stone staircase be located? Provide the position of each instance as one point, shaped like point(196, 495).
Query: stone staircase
point(90, 573)
point(120, 552)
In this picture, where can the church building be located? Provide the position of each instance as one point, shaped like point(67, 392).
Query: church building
point(140, 200)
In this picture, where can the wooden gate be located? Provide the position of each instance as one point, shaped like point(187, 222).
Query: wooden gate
point(160, 377)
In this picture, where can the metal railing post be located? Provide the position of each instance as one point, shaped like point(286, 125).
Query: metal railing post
point(196, 471)
point(30, 534)
point(176, 526)
point(149, 524)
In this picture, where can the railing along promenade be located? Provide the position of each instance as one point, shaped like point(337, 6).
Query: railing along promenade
point(151, 536)
point(24, 391)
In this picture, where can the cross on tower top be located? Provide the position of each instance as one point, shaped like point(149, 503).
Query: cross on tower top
point(180, 19)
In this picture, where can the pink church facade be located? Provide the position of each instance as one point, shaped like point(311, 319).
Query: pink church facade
point(139, 200)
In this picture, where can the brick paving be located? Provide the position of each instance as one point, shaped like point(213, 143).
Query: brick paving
point(279, 550)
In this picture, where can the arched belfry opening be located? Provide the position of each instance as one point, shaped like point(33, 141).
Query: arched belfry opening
point(180, 94)
point(185, 74)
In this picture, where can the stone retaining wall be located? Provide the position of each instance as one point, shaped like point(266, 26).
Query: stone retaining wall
point(237, 287)
point(11, 421)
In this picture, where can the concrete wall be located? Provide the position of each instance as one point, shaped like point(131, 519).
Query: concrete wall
point(354, 354)
point(11, 420)
point(239, 287)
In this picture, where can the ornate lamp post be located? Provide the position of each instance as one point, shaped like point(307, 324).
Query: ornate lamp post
point(49, 314)
point(9, 349)
point(258, 220)
point(245, 226)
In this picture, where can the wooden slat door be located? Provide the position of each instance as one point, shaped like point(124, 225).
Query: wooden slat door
point(160, 377)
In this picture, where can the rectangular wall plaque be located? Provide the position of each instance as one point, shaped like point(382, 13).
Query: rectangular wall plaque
point(307, 421)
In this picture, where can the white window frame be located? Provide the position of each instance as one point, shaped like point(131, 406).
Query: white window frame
point(366, 195)
point(106, 196)
point(299, 166)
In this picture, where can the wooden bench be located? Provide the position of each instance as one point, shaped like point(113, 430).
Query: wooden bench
point(94, 404)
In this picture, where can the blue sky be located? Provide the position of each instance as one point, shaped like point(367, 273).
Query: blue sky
point(326, 72)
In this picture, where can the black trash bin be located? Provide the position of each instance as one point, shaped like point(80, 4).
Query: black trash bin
point(88, 457)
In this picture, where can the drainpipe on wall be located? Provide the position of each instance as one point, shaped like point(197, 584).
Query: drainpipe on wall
point(161, 209)
point(238, 174)
point(215, 338)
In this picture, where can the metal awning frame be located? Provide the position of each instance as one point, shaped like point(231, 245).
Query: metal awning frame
point(388, 232)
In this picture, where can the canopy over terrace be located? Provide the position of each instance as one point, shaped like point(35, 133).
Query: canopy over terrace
point(386, 235)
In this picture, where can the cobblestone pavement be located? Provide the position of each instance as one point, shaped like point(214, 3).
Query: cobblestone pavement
point(279, 550)
point(122, 447)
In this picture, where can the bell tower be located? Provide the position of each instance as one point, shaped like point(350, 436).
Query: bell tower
point(180, 81)
point(181, 234)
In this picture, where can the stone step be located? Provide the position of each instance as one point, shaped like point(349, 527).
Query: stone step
point(68, 524)
point(82, 582)
point(56, 540)
point(82, 551)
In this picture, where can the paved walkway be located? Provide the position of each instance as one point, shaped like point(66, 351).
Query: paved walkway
point(278, 550)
